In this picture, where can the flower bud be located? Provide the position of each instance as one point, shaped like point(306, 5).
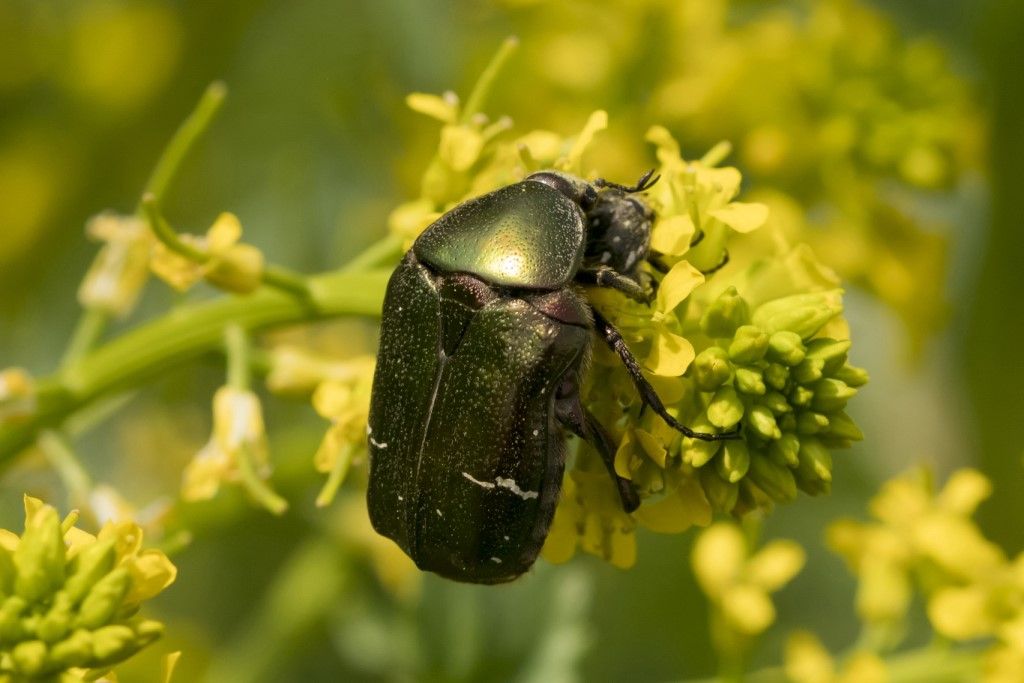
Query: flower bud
point(696, 452)
point(712, 369)
point(809, 371)
point(748, 345)
point(721, 494)
point(762, 422)
point(831, 352)
point(808, 422)
point(814, 472)
point(749, 381)
point(853, 377)
point(775, 402)
point(103, 600)
point(112, 643)
point(30, 657)
point(786, 347)
point(803, 314)
point(238, 270)
point(728, 312)
point(800, 397)
point(831, 395)
point(90, 566)
point(776, 481)
point(56, 623)
point(733, 461)
point(784, 450)
point(725, 408)
point(11, 628)
point(39, 558)
point(777, 376)
point(75, 650)
point(841, 426)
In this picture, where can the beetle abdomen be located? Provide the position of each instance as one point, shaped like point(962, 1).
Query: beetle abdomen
point(467, 459)
point(524, 235)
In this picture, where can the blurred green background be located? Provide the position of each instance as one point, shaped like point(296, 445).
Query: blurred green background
point(313, 149)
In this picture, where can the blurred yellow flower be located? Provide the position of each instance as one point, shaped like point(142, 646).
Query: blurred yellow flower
point(807, 661)
point(225, 263)
point(236, 452)
point(17, 394)
point(120, 269)
point(739, 584)
point(597, 526)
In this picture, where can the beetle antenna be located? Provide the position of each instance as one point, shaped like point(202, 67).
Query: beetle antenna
point(645, 183)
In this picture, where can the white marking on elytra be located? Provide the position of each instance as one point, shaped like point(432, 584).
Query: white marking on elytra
point(615, 240)
point(505, 537)
point(496, 560)
point(511, 485)
point(439, 513)
point(379, 444)
point(400, 498)
point(606, 256)
point(536, 432)
point(484, 484)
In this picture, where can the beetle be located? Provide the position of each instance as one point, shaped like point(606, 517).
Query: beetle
point(484, 342)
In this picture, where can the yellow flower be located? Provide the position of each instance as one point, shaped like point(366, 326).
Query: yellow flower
point(120, 269)
point(919, 531)
point(590, 517)
point(236, 452)
point(225, 263)
point(739, 584)
point(345, 401)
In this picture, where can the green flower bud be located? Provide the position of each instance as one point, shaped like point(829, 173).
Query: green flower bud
point(808, 422)
point(800, 397)
point(784, 450)
point(725, 314)
point(748, 345)
point(775, 480)
point(89, 567)
point(762, 422)
point(103, 600)
point(854, 377)
point(803, 314)
point(711, 368)
point(841, 426)
point(30, 657)
point(56, 623)
point(733, 461)
point(695, 452)
point(810, 370)
point(831, 395)
point(76, 650)
point(786, 347)
point(726, 408)
point(776, 376)
point(721, 494)
point(39, 559)
point(113, 643)
point(11, 627)
point(815, 470)
point(787, 422)
point(832, 352)
point(748, 381)
point(775, 402)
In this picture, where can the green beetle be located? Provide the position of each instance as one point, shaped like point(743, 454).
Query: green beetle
point(484, 340)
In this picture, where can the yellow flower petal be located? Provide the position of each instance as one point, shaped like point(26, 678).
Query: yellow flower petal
point(964, 491)
point(672, 235)
point(460, 146)
point(573, 161)
point(224, 232)
point(670, 354)
point(961, 613)
point(680, 509)
point(678, 284)
point(748, 608)
point(742, 217)
point(151, 572)
point(718, 556)
point(864, 667)
point(776, 564)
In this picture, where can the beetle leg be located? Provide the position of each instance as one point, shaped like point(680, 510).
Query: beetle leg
point(603, 276)
point(583, 424)
point(648, 395)
point(659, 263)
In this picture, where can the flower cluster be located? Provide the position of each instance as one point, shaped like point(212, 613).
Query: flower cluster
point(69, 600)
point(924, 541)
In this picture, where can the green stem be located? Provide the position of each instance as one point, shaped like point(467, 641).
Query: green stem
point(285, 280)
point(336, 477)
point(184, 139)
point(72, 474)
point(383, 252)
point(182, 335)
point(482, 89)
point(166, 234)
point(236, 341)
point(256, 486)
